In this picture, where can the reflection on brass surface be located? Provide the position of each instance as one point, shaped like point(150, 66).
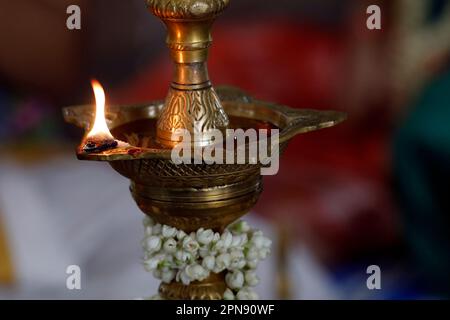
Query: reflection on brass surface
point(198, 195)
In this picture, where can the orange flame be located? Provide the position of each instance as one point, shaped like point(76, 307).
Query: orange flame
point(100, 128)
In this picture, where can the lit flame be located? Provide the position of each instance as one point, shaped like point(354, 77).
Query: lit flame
point(100, 128)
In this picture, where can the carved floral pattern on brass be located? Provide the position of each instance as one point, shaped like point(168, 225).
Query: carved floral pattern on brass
point(203, 259)
point(198, 111)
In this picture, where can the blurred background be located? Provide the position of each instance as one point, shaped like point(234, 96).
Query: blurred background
point(371, 191)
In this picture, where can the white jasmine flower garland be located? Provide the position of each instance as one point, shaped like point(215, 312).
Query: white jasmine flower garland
point(172, 254)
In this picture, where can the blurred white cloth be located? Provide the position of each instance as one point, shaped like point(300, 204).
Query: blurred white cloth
point(70, 212)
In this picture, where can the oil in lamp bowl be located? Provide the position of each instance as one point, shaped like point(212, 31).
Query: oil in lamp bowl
point(193, 196)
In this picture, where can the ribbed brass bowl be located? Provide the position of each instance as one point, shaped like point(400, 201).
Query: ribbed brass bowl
point(191, 196)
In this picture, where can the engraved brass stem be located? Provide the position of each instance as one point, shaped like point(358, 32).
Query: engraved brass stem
point(192, 102)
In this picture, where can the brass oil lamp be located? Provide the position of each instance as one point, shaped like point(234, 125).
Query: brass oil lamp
point(190, 196)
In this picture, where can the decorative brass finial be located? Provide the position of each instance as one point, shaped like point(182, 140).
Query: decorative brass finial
point(192, 102)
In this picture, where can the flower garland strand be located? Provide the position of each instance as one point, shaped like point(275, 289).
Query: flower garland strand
point(171, 254)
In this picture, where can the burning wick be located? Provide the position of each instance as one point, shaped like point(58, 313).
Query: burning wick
point(99, 138)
